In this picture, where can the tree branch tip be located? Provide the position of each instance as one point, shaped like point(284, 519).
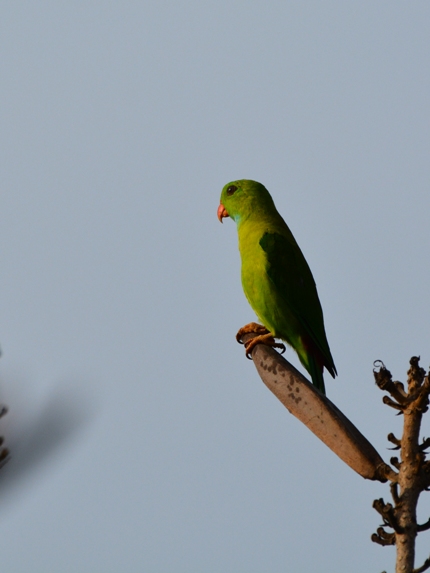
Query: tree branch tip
point(389, 402)
point(386, 510)
point(425, 444)
point(378, 364)
point(423, 567)
point(394, 461)
point(424, 526)
point(381, 506)
point(416, 374)
point(382, 376)
point(387, 536)
point(392, 438)
point(388, 540)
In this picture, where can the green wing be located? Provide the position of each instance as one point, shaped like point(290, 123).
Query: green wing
point(290, 274)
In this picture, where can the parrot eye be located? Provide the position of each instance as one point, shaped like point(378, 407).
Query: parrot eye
point(231, 190)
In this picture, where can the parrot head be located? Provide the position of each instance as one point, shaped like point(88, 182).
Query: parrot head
point(241, 198)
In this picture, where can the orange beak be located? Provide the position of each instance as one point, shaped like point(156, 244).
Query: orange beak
point(222, 212)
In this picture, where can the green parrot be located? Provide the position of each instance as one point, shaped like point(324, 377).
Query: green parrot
point(277, 280)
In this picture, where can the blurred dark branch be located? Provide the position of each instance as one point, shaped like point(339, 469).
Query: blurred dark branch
point(4, 452)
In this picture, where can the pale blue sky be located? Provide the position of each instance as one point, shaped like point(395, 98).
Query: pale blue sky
point(142, 439)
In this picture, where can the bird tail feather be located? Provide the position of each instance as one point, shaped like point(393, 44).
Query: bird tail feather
point(316, 372)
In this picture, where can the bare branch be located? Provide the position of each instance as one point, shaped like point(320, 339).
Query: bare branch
point(394, 461)
point(400, 387)
point(389, 402)
point(425, 444)
point(423, 567)
point(382, 537)
point(331, 426)
point(395, 492)
point(388, 473)
point(392, 438)
point(425, 473)
point(413, 471)
point(387, 512)
point(415, 374)
point(319, 414)
point(424, 526)
point(422, 400)
point(385, 382)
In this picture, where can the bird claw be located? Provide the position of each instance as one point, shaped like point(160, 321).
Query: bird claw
point(253, 327)
point(266, 339)
point(262, 336)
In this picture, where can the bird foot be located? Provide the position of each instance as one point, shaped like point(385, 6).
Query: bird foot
point(253, 327)
point(266, 339)
point(263, 336)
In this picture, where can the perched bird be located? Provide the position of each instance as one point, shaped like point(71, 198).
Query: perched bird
point(277, 280)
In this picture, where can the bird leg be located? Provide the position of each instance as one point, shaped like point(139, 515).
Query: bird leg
point(263, 336)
